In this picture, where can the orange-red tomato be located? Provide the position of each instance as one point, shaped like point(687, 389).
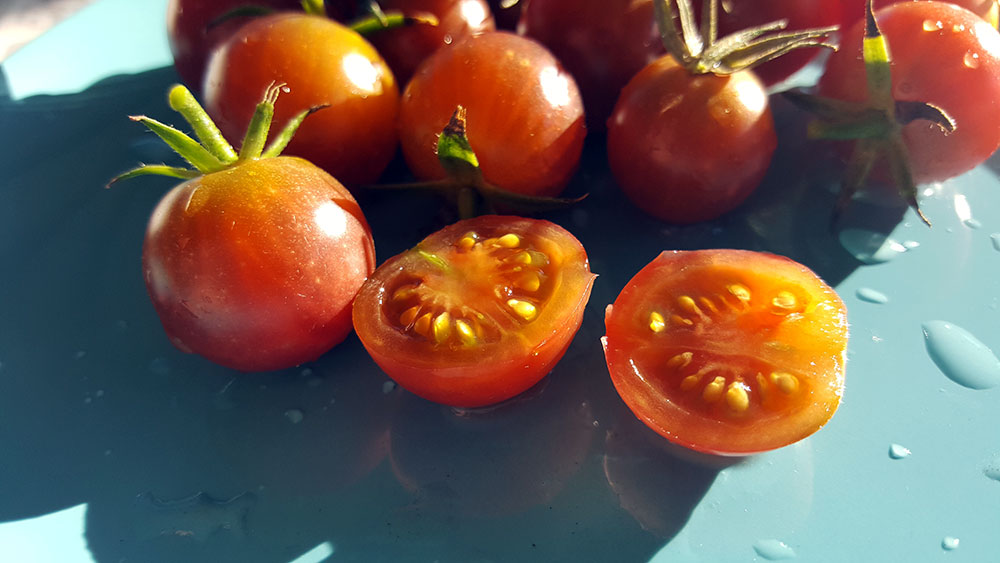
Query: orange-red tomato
point(853, 11)
point(322, 63)
point(728, 352)
point(477, 312)
point(525, 116)
point(255, 266)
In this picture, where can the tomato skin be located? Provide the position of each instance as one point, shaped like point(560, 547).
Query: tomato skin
point(512, 355)
point(323, 63)
point(525, 116)
point(931, 66)
point(853, 11)
point(255, 267)
point(405, 48)
point(744, 340)
point(602, 44)
point(687, 148)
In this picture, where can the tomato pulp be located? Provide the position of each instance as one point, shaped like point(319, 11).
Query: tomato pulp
point(728, 352)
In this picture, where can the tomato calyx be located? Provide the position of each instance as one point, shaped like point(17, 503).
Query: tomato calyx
point(464, 185)
point(371, 20)
point(211, 152)
point(699, 49)
point(875, 126)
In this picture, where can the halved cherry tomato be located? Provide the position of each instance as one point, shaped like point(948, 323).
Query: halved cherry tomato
point(477, 312)
point(729, 352)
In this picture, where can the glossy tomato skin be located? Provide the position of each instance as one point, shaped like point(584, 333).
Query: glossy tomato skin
point(687, 148)
point(728, 352)
point(943, 55)
point(192, 39)
point(481, 278)
point(525, 115)
point(602, 44)
point(255, 267)
point(323, 63)
point(404, 48)
point(853, 11)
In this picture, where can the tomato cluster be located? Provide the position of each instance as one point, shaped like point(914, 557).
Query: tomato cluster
point(260, 261)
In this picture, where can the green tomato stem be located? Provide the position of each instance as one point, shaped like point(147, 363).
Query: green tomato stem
point(256, 135)
point(875, 53)
point(314, 7)
point(182, 101)
point(282, 139)
point(182, 144)
point(371, 24)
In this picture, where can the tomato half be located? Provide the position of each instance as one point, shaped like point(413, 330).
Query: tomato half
point(477, 312)
point(255, 266)
point(728, 352)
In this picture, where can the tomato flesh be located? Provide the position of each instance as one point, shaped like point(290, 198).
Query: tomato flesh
point(728, 352)
point(477, 312)
point(255, 267)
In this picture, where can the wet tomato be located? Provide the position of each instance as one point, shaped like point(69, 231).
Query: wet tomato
point(853, 11)
point(525, 118)
point(728, 352)
point(255, 266)
point(690, 147)
point(943, 55)
point(322, 63)
point(477, 312)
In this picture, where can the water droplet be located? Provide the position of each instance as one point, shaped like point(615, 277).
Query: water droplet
point(910, 244)
point(972, 223)
point(949, 543)
point(774, 550)
point(932, 25)
point(295, 416)
point(872, 296)
point(995, 239)
point(898, 452)
point(388, 387)
point(971, 59)
point(992, 468)
point(961, 356)
point(870, 247)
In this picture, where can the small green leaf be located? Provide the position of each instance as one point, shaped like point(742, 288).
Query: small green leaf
point(157, 169)
point(183, 102)
point(182, 144)
point(455, 153)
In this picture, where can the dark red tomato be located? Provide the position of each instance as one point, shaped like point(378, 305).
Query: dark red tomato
point(735, 15)
point(477, 312)
point(322, 63)
point(688, 148)
point(853, 11)
point(404, 48)
point(602, 44)
point(255, 266)
point(191, 40)
point(525, 118)
point(728, 352)
point(943, 55)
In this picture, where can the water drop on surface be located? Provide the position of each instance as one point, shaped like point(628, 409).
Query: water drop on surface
point(971, 60)
point(992, 469)
point(774, 550)
point(872, 296)
point(388, 387)
point(949, 543)
point(995, 239)
point(898, 452)
point(932, 25)
point(294, 415)
point(870, 247)
point(961, 356)
point(972, 223)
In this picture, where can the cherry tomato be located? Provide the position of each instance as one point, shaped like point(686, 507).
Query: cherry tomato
point(688, 148)
point(192, 35)
point(255, 266)
point(943, 55)
point(602, 44)
point(477, 312)
point(853, 11)
point(728, 351)
point(404, 48)
point(322, 63)
point(525, 116)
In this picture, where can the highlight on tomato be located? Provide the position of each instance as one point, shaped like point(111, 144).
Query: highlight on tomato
point(477, 312)
point(728, 352)
point(254, 260)
point(853, 11)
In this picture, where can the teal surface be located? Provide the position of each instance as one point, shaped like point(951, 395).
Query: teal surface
point(117, 447)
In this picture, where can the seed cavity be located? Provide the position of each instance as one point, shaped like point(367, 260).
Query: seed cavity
point(680, 361)
point(409, 315)
point(468, 240)
point(441, 327)
point(528, 281)
point(656, 322)
point(785, 382)
point(523, 309)
point(713, 391)
point(422, 325)
point(737, 398)
point(509, 240)
point(739, 291)
point(784, 302)
point(681, 321)
point(465, 332)
point(523, 257)
point(687, 303)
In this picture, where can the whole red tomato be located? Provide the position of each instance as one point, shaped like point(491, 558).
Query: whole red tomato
point(322, 63)
point(689, 147)
point(602, 44)
point(853, 11)
point(525, 118)
point(943, 55)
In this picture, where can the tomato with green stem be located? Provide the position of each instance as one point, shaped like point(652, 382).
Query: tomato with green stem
point(853, 11)
point(477, 312)
point(728, 352)
point(254, 261)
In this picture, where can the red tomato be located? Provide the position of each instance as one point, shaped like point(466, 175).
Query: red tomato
point(728, 352)
point(477, 312)
point(853, 11)
point(602, 44)
point(943, 55)
point(255, 266)
point(192, 40)
point(404, 48)
point(525, 116)
point(323, 63)
point(688, 148)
